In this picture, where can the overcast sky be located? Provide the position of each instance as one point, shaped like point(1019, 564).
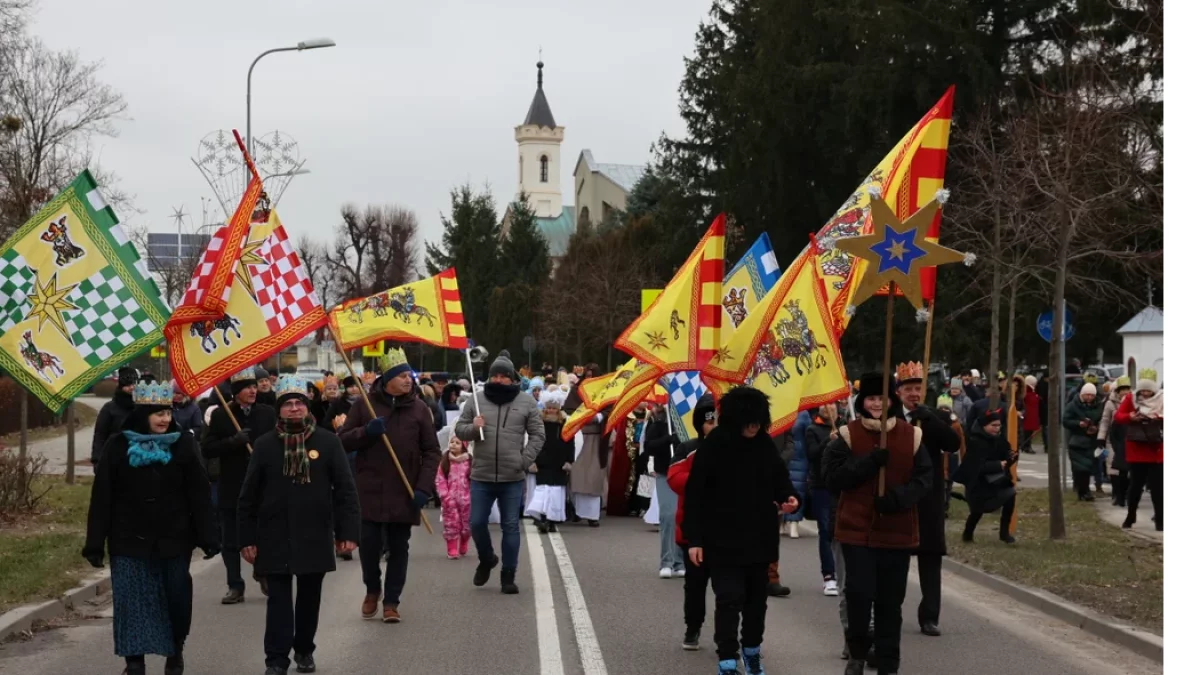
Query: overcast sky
point(416, 98)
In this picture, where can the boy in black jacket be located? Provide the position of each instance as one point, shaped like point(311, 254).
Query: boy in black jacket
point(737, 486)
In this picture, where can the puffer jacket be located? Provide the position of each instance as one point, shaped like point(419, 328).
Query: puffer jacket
point(503, 455)
point(1081, 444)
point(798, 464)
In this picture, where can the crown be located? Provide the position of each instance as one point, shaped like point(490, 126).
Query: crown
point(246, 375)
point(1148, 374)
point(906, 372)
point(291, 384)
point(153, 394)
point(394, 358)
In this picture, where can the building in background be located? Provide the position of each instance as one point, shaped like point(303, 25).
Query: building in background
point(173, 248)
point(1142, 338)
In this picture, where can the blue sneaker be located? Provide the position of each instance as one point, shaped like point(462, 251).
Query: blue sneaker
point(752, 657)
point(727, 667)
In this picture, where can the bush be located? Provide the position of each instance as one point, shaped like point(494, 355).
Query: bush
point(18, 495)
point(10, 403)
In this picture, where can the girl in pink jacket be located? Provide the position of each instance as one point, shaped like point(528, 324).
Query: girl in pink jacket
point(454, 488)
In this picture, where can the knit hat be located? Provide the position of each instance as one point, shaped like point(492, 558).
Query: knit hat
point(242, 379)
point(261, 373)
point(394, 364)
point(956, 383)
point(127, 376)
point(1087, 388)
point(553, 399)
point(705, 411)
point(537, 383)
point(288, 387)
point(503, 365)
point(974, 373)
point(440, 378)
point(871, 384)
point(349, 381)
point(945, 401)
point(990, 416)
point(1030, 381)
point(743, 406)
point(1148, 380)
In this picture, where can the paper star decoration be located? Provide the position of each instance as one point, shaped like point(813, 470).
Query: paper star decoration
point(897, 251)
point(49, 302)
point(249, 256)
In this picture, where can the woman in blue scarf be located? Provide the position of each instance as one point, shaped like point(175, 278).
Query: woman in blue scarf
point(150, 505)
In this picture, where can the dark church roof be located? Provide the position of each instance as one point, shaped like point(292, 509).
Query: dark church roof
point(539, 110)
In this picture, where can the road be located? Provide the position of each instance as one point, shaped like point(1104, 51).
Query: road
point(590, 604)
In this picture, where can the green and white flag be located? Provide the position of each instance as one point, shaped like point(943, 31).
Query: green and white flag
point(76, 299)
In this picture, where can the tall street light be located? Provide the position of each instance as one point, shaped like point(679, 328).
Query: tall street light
point(316, 43)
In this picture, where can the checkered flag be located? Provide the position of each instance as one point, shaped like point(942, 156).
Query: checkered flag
point(208, 262)
point(108, 319)
point(15, 281)
point(684, 390)
point(282, 287)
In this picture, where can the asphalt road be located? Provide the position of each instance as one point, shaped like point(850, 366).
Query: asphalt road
point(590, 604)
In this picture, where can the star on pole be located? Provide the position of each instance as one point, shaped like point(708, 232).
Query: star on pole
point(249, 256)
point(49, 302)
point(897, 251)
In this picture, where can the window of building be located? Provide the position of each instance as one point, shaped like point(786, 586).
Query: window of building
point(545, 169)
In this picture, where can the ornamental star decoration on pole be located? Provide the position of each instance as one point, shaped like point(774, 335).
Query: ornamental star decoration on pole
point(898, 251)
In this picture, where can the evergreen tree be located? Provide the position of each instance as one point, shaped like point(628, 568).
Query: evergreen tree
point(524, 254)
point(469, 244)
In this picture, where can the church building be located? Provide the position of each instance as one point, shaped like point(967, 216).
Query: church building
point(600, 190)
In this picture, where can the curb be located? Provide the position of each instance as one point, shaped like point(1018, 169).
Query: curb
point(21, 619)
point(1130, 637)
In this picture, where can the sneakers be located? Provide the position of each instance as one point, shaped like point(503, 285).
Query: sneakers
point(347, 556)
point(727, 667)
point(305, 663)
point(830, 589)
point(752, 657)
point(370, 606)
point(691, 640)
point(679, 573)
point(664, 573)
point(1008, 539)
point(593, 523)
point(483, 571)
point(452, 549)
point(234, 596)
point(543, 527)
point(855, 667)
point(508, 583)
point(778, 590)
point(391, 614)
point(794, 529)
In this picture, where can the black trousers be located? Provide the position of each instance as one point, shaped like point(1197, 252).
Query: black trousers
point(1146, 475)
point(291, 627)
point(1006, 515)
point(876, 578)
point(741, 592)
point(374, 537)
point(1082, 482)
point(695, 592)
point(929, 568)
point(1120, 486)
point(230, 554)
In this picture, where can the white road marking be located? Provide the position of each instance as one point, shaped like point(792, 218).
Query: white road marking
point(549, 651)
point(585, 634)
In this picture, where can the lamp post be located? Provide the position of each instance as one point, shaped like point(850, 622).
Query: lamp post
point(316, 43)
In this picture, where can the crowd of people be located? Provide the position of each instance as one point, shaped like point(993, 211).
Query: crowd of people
point(286, 475)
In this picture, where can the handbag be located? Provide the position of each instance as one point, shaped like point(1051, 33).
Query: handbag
point(1150, 432)
point(645, 486)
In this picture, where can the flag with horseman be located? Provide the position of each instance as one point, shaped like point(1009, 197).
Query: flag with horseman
point(428, 310)
point(76, 299)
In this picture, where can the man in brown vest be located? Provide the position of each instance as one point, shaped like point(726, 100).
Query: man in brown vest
point(877, 533)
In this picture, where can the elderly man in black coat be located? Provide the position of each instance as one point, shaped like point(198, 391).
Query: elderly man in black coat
point(297, 508)
point(937, 437)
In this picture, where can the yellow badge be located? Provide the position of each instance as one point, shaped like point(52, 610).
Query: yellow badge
point(313, 454)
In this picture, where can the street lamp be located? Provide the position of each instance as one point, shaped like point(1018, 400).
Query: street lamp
point(315, 43)
point(293, 172)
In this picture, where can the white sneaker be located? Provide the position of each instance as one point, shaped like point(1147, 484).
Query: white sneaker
point(783, 528)
point(794, 530)
point(679, 574)
point(831, 588)
point(664, 573)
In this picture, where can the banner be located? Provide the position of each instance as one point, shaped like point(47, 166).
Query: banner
point(428, 311)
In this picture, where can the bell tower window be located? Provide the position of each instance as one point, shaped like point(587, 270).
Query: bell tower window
point(545, 169)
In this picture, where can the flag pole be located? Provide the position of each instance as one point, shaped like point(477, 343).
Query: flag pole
point(1014, 443)
point(228, 411)
point(887, 374)
point(928, 352)
point(366, 398)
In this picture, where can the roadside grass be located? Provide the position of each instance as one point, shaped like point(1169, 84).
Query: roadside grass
point(40, 552)
point(1097, 566)
point(85, 416)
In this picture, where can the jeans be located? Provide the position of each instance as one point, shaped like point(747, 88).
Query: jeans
point(876, 579)
point(695, 592)
point(741, 593)
point(396, 535)
point(509, 495)
point(668, 552)
point(291, 627)
point(230, 554)
point(822, 509)
point(1098, 469)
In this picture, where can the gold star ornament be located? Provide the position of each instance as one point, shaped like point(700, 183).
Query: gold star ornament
point(49, 302)
point(898, 251)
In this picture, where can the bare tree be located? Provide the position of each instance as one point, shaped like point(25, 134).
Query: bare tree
point(375, 249)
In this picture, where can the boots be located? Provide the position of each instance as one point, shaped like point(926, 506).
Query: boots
point(508, 584)
point(855, 667)
point(463, 543)
point(175, 663)
point(452, 551)
point(135, 665)
point(543, 526)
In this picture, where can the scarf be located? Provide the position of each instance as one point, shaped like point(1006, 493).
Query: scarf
point(1151, 406)
point(147, 449)
point(294, 434)
point(462, 457)
point(500, 394)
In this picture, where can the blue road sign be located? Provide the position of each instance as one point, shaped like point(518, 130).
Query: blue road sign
point(1045, 325)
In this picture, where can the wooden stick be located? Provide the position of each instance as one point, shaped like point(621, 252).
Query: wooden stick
point(1014, 443)
point(887, 376)
point(366, 397)
point(228, 411)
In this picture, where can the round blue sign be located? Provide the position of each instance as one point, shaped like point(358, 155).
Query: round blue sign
point(1045, 325)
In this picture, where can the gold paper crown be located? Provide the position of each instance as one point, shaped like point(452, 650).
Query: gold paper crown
point(393, 358)
point(912, 370)
point(1148, 374)
point(246, 375)
point(153, 394)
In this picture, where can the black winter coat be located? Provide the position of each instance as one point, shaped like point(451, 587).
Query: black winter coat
point(988, 485)
point(732, 495)
point(155, 511)
point(816, 437)
point(978, 408)
point(658, 444)
point(110, 421)
point(189, 417)
point(338, 406)
point(218, 443)
point(295, 525)
point(937, 437)
point(555, 452)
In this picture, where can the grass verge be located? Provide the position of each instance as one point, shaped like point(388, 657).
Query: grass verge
point(85, 418)
point(1097, 566)
point(40, 552)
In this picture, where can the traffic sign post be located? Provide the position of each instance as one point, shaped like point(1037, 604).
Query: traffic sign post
point(1045, 325)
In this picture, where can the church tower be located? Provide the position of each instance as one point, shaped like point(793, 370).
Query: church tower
point(539, 142)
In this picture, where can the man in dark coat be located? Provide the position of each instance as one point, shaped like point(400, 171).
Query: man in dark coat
point(266, 388)
point(938, 438)
point(231, 445)
point(112, 415)
point(338, 409)
point(297, 507)
point(187, 414)
point(392, 410)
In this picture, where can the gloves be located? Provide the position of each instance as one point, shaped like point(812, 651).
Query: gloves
point(674, 439)
point(96, 560)
point(420, 499)
point(921, 414)
point(376, 428)
point(880, 456)
point(241, 438)
point(888, 503)
point(210, 551)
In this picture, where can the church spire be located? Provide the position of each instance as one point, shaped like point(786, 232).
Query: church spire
point(539, 110)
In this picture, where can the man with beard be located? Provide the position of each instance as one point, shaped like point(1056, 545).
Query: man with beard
point(513, 434)
point(295, 472)
point(392, 410)
point(112, 416)
point(938, 438)
point(231, 445)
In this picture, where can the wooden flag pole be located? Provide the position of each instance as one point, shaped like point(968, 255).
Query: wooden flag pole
point(70, 443)
point(887, 376)
point(1014, 442)
point(366, 397)
point(228, 411)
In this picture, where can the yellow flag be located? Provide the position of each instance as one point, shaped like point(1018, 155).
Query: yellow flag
point(428, 311)
point(598, 393)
